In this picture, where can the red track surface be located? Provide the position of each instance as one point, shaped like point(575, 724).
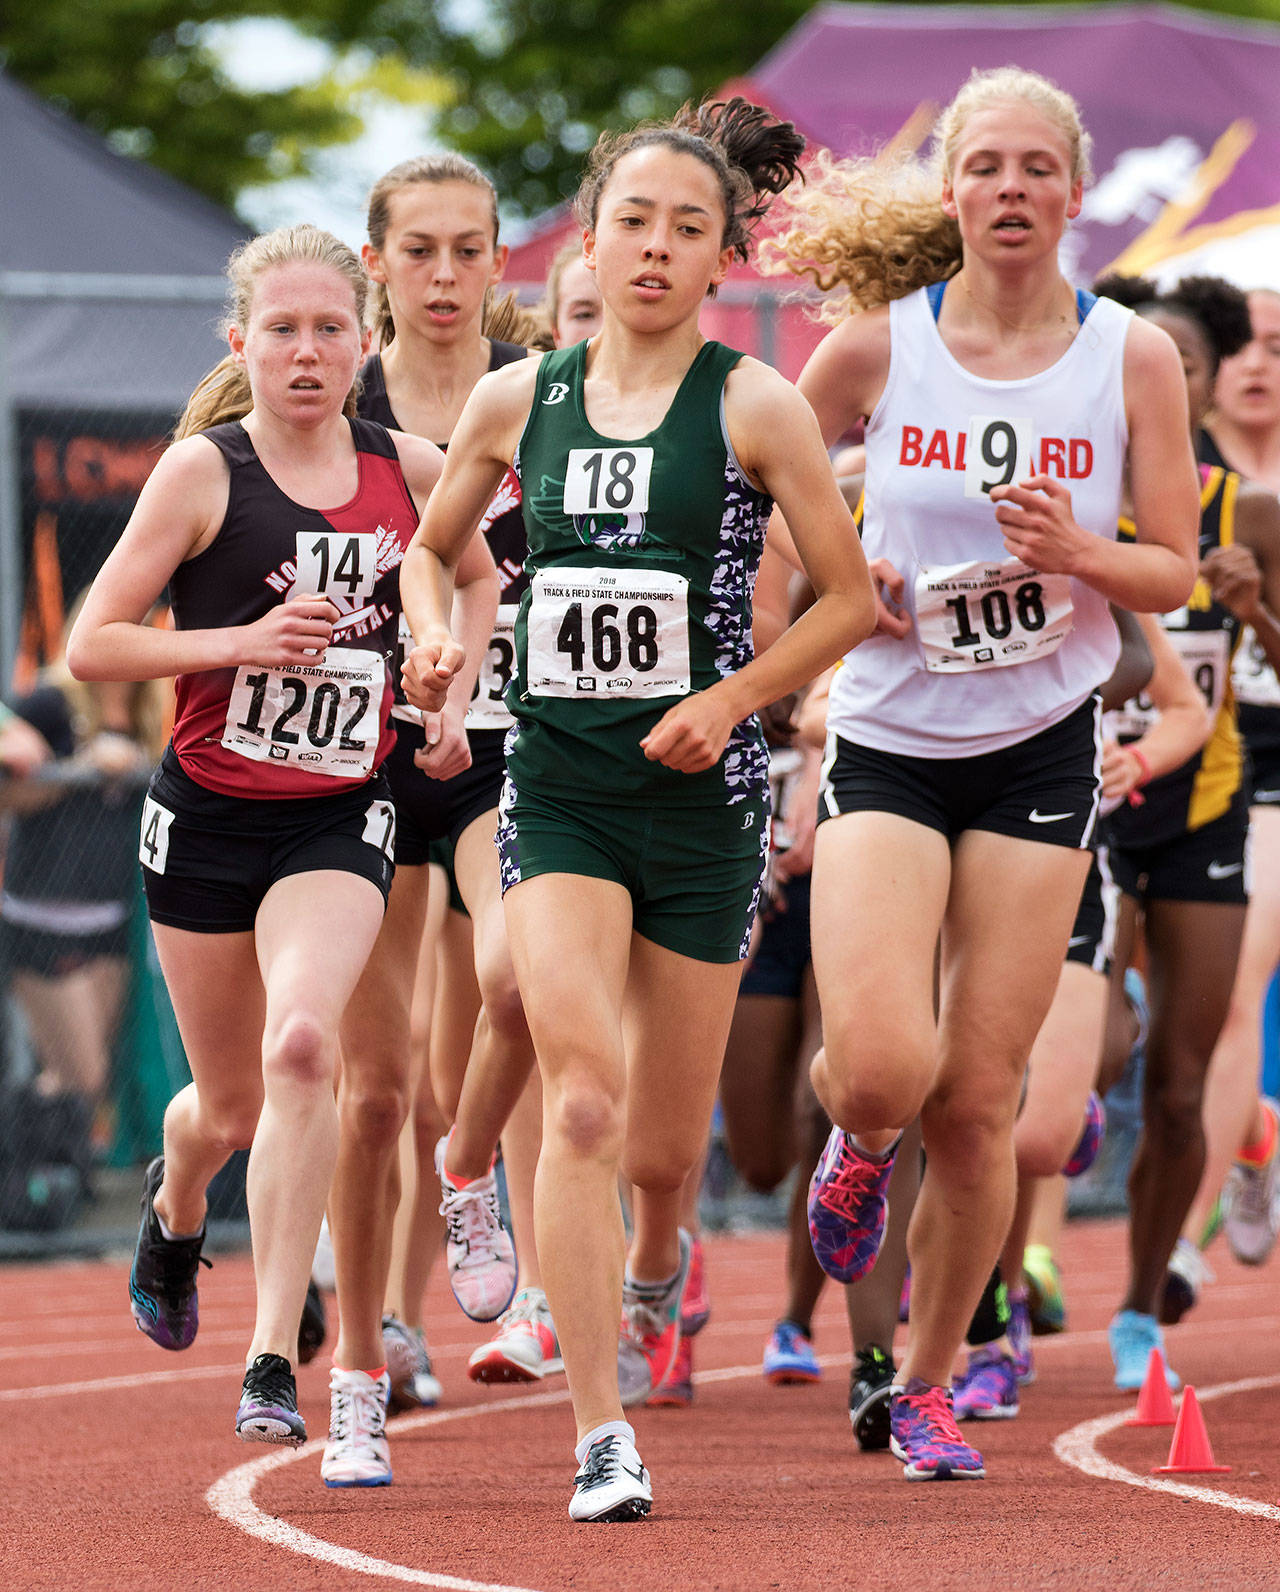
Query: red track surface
point(756, 1487)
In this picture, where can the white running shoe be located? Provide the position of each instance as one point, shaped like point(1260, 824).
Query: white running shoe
point(478, 1249)
point(650, 1332)
point(356, 1454)
point(612, 1484)
point(322, 1267)
point(524, 1348)
point(1251, 1204)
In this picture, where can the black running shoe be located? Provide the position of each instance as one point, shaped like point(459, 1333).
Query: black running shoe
point(268, 1410)
point(869, 1384)
point(314, 1325)
point(162, 1283)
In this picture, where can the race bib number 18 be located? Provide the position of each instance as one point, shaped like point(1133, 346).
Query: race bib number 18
point(608, 632)
point(608, 480)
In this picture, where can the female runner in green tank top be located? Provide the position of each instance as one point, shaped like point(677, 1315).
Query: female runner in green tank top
point(633, 818)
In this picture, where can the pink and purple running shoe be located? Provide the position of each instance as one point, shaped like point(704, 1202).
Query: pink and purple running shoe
point(847, 1208)
point(1091, 1136)
point(923, 1434)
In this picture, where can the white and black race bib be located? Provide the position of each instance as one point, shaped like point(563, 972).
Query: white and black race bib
point(998, 452)
point(488, 709)
point(608, 632)
point(989, 615)
point(1253, 679)
point(1204, 655)
point(608, 480)
point(324, 719)
point(153, 842)
point(337, 564)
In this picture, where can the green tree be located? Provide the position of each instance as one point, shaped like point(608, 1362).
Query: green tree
point(143, 73)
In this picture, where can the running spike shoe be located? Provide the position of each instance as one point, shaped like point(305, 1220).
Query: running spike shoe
point(925, 1437)
point(650, 1331)
point(847, 1208)
point(357, 1454)
point(789, 1356)
point(676, 1389)
point(1045, 1303)
point(423, 1390)
point(162, 1281)
point(400, 1356)
point(524, 1348)
point(987, 1389)
point(268, 1411)
point(870, 1383)
point(313, 1326)
point(613, 1483)
point(696, 1309)
point(1132, 1336)
point(479, 1250)
point(1251, 1204)
point(1188, 1272)
point(1091, 1136)
point(1018, 1333)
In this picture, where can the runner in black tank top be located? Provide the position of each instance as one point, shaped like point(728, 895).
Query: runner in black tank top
point(433, 256)
point(1240, 1127)
point(267, 834)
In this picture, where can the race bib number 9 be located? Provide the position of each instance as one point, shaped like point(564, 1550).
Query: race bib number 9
point(606, 632)
point(1204, 655)
point(324, 719)
point(488, 710)
point(988, 616)
point(1252, 678)
point(998, 451)
point(608, 481)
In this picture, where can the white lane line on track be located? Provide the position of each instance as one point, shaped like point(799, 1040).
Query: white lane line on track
point(107, 1384)
point(231, 1497)
point(1078, 1448)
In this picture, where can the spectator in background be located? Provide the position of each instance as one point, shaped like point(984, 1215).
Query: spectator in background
point(75, 759)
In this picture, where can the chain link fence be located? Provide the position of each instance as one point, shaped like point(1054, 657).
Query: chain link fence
point(93, 372)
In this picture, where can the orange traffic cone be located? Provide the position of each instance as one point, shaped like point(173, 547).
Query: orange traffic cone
point(1190, 1453)
point(1155, 1402)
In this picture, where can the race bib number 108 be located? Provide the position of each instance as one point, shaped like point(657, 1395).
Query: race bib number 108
point(987, 616)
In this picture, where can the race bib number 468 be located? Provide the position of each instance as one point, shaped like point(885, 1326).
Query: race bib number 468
point(324, 719)
point(987, 616)
point(607, 632)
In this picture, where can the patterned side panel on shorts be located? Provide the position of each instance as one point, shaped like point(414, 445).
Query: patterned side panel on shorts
point(506, 839)
point(755, 894)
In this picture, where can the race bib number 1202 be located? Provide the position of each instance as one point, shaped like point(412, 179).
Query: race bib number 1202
point(324, 719)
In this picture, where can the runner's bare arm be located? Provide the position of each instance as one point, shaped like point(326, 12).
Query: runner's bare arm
point(178, 513)
point(1246, 576)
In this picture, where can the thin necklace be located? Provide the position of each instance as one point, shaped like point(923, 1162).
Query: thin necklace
point(1014, 326)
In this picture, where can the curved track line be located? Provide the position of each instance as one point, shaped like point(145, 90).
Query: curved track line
point(1077, 1448)
point(231, 1497)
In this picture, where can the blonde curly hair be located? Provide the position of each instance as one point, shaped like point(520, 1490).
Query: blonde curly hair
point(873, 229)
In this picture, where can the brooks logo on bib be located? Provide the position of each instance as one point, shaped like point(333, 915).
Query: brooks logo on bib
point(608, 632)
point(989, 615)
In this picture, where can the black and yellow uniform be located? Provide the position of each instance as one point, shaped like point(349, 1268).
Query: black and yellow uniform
point(1186, 842)
point(642, 561)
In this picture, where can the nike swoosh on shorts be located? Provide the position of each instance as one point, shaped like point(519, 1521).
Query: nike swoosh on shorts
point(1218, 870)
point(1037, 817)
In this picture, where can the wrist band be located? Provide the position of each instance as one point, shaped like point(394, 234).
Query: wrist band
point(1141, 757)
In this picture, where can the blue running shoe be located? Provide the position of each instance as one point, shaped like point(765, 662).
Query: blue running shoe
point(789, 1356)
point(268, 1411)
point(925, 1437)
point(847, 1208)
point(1091, 1136)
point(987, 1389)
point(162, 1281)
point(1132, 1337)
point(1018, 1333)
